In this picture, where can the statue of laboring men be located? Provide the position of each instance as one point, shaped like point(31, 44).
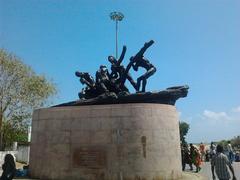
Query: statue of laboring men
point(140, 61)
point(119, 73)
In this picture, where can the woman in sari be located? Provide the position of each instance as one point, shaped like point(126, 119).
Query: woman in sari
point(195, 157)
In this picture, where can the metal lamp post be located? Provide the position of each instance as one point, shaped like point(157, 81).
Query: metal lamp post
point(116, 16)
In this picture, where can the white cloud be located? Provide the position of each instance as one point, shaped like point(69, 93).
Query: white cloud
point(213, 126)
point(215, 115)
point(237, 109)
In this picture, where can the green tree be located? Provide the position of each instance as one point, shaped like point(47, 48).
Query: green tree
point(236, 142)
point(21, 90)
point(13, 131)
point(183, 128)
point(223, 143)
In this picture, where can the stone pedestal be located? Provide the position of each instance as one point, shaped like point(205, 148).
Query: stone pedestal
point(106, 142)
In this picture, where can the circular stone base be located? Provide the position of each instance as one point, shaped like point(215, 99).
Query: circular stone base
point(120, 141)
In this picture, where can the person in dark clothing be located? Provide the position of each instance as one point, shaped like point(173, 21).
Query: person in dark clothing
point(186, 159)
point(8, 167)
point(207, 156)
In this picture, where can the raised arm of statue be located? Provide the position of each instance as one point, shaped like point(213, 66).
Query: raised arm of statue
point(119, 61)
point(144, 48)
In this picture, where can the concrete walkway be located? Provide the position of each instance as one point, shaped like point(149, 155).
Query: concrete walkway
point(193, 176)
point(204, 174)
point(186, 176)
point(206, 170)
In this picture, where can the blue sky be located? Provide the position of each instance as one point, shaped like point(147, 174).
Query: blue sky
point(196, 43)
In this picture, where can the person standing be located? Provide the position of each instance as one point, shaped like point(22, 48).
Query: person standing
point(230, 152)
point(212, 150)
point(202, 151)
point(195, 157)
point(219, 163)
point(185, 157)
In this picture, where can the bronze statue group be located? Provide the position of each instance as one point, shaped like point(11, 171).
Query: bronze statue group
point(113, 84)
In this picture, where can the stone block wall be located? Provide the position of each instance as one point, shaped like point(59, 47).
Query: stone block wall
point(106, 142)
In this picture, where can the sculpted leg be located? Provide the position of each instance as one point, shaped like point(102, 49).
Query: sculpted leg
point(133, 83)
point(144, 82)
point(139, 82)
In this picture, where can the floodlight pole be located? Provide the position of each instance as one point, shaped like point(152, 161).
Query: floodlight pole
point(116, 16)
point(116, 39)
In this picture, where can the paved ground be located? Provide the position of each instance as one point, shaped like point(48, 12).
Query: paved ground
point(193, 176)
point(205, 172)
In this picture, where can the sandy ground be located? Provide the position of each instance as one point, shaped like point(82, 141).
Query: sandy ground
point(204, 174)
